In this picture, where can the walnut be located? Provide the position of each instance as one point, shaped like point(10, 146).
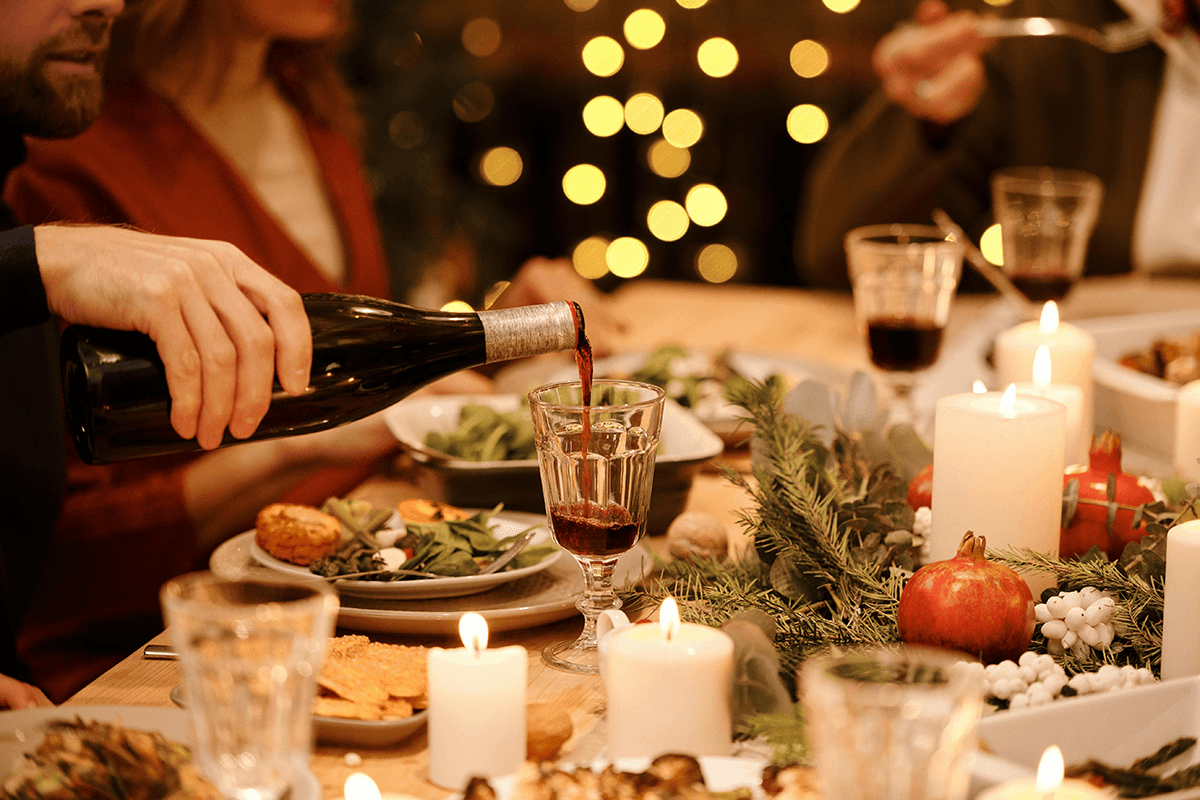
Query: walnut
point(695, 534)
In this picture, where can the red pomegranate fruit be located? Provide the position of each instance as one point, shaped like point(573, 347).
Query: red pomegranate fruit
point(970, 604)
point(1089, 525)
point(920, 491)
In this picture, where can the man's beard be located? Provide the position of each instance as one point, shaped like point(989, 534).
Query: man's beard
point(40, 103)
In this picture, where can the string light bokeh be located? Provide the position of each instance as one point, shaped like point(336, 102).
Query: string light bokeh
point(636, 138)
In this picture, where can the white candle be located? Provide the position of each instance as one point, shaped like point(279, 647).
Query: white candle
point(1187, 431)
point(1049, 784)
point(1079, 438)
point(998, 471)
point(669, 689)
point(1072, 351)
point(1181, 603)
point(476, 708)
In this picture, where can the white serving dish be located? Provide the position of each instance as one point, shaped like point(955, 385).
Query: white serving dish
point(1116, 728)
point(685, 445)
point(1140, 407)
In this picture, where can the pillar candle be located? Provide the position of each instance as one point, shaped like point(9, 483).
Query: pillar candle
point(1079, 438)
point(1181, 603)
point(1072, 351)
point(476, 708)
point(998, 471)
point(1187, 431)
point(669, 689)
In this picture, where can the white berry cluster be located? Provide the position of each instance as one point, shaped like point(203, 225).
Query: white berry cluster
point(920, 531)
point(1077, 621)
point(1035, 680)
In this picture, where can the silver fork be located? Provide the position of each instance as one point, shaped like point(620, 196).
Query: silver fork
point(1116, 37)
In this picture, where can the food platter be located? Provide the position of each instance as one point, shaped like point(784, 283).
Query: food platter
point(503, 525)
point(547, 596)
point(21, 732)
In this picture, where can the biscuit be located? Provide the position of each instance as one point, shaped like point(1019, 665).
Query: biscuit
point(297, 534)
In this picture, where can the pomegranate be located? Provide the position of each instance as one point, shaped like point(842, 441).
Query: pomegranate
point(920, 491)
point(970, 604)
point(1089, 525)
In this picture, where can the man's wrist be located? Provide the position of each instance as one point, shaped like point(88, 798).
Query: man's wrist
point(22, 293)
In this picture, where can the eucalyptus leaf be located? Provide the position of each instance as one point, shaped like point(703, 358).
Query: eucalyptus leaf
point(809, 401)
point(790, 582)
point(911, 453)
point(862, 407)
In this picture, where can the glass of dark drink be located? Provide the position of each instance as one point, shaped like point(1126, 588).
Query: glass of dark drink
point(597, 466)
point(1046, 218)
point(904, 278)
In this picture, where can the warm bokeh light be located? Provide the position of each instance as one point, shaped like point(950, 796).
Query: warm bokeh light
point(1008, 402)
point(691, 3)
point(668, 161)
point(706, 204)
point(1050, 771)
point(581, 5)
point(603, 56)
point(807, 123)
point(643, 113)
point(473, 630)
point(1048, 321)
point(841, 6)
point(716, 263)
point(667, 220)
point(603, 115)
point(644, 29)
point(808, 58)
point(458, 305)
point(590, 258)
point(998, 2)
point(668, 618)
point(481, 36)
point(407, 130)
point(501, 166)
point(584, 184)
point(627, 257)
point(682, 127)
point(991, 245)
point(474, 101)
point(717, 57)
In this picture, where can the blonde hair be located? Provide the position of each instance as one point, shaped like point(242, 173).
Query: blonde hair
point(152, 32)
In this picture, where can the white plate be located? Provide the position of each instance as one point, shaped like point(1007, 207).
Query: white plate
point(538, 599)
point(21, 732)
point(721, 774)
point(503, 525)
point(1115, 728)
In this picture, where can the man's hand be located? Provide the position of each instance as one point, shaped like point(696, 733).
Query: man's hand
point(17, 695)
point(933, 66)
point(202, 302)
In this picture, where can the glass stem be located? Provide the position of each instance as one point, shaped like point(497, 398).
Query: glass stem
point(598, 597)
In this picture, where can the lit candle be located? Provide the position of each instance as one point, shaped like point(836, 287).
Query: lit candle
point(1181, 602)
point(1072, 351)
point(998, 471)
point(1048, 785)
point(476, 708)
point(1079, 439)
point(669, 688)
point(1187, 431)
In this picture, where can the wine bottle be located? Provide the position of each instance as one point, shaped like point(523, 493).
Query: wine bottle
point(367, 354)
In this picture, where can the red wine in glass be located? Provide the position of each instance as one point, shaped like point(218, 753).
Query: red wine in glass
point(903, 344)
point(1040, 287)
point(586, 529)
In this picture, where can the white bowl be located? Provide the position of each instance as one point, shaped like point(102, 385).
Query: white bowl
point(685, 445)
point(1138, 406)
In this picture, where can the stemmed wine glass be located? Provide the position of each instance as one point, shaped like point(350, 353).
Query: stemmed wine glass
point(597, 466)
point(903, 278)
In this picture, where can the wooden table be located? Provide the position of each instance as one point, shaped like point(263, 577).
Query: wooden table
point(807, 324)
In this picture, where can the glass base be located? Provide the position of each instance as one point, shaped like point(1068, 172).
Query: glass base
point(572, 656)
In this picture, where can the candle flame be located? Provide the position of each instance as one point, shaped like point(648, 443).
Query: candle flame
point(979, 387)
point(1050, 770)
point(668, 618)
point(359, 786)
point(1049, 321)
point(1008, 402)
point(1042, 366)
point(474, 632)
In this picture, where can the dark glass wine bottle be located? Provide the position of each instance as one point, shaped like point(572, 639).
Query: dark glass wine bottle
point(367, 354)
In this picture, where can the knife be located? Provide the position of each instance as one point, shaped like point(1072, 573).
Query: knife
point(162, 651)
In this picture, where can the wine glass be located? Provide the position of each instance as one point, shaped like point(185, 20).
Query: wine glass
point(903, 278)
point(1046, 218)
point(597, 466)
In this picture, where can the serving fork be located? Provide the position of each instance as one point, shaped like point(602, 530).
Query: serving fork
point(1115, 37)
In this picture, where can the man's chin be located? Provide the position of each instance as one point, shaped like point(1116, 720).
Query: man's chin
point(72, 101)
